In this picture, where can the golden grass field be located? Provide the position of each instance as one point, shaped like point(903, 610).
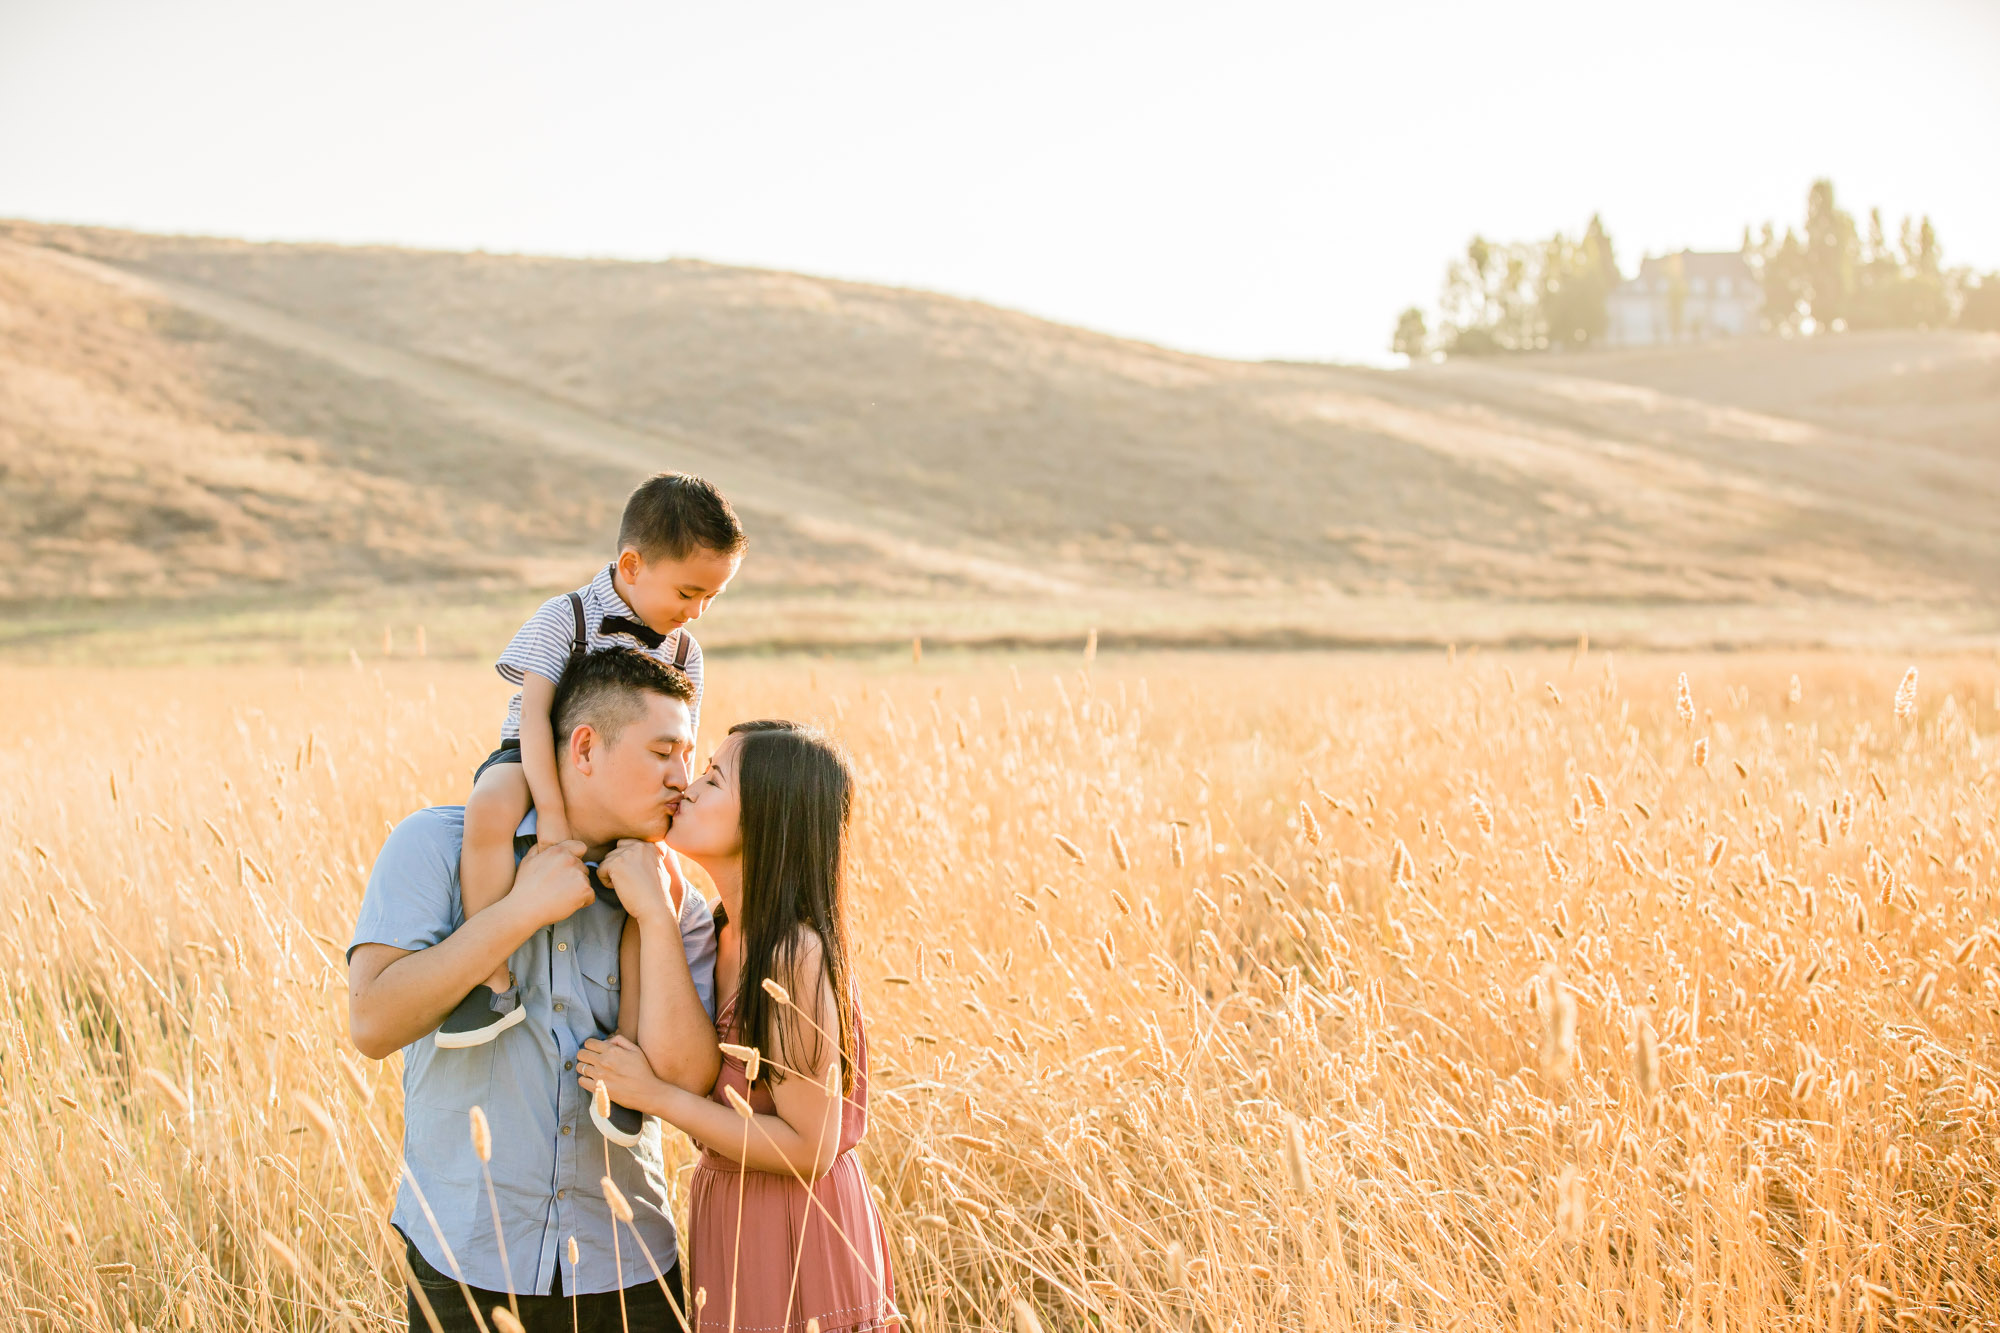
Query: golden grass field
point(1480, 993)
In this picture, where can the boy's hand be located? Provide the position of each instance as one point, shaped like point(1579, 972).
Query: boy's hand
point(552, 884)
point(637, 871)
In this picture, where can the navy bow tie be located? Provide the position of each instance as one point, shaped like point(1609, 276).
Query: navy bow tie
point(645, 634)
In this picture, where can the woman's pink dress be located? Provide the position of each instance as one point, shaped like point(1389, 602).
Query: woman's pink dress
point(771, 1253)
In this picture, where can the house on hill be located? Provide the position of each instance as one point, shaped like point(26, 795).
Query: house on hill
point(1685, 298)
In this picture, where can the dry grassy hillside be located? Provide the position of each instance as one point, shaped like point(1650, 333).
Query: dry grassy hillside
point(1940, 390)
point(942, 452)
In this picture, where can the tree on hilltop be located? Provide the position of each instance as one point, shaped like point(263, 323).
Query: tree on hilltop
point(1577, 279)
point(1831, 251)
point(1412, 336)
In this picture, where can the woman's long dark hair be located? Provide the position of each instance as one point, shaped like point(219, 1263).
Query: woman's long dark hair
point(795, 791)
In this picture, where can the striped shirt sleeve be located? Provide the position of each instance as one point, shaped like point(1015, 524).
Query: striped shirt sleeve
point(541, 645)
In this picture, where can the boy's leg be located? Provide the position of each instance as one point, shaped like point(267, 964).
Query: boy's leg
point(485, 873)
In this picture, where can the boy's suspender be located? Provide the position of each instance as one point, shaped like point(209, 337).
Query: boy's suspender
point(578, 644)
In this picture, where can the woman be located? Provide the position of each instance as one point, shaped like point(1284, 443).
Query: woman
point(782, 1227)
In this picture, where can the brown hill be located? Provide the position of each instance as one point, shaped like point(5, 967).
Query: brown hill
point(187, 418)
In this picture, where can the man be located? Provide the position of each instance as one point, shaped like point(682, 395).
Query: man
point(624, 738)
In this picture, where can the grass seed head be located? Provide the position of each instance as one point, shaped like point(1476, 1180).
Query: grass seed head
point(1296, 1163)
point(621, 1207)
point(1906, 696)
point(1645, 1054)
point(482, 1133)
point(317, 1114)
point(284, 1253)
point(1558, 1051)
point(1926, 990)
point(752, 1058)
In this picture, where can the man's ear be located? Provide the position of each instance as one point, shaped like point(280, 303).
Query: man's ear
point(583, 747)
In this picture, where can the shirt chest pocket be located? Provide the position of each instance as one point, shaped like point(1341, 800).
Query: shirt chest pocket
point(601, 986)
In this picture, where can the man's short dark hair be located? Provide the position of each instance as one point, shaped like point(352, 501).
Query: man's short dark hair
point(603, 689)
point(674, 515)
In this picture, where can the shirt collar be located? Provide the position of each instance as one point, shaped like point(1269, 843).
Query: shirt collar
point(602, 597)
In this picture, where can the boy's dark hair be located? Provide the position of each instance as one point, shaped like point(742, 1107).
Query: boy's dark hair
point(603, 689)
point(673, 514)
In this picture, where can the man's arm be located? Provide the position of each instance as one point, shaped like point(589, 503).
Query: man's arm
point(396, 996)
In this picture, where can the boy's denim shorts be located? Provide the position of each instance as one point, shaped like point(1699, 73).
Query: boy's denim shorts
point(508, 753)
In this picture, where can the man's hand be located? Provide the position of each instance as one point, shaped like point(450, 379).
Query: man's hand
point(551, 884)
point(638, 872)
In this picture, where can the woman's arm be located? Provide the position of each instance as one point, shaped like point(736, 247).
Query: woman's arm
point(538, 757)
point(802, 1139)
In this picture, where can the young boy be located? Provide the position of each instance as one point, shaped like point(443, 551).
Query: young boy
point(678, 547)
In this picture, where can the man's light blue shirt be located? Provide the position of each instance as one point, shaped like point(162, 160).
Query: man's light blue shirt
point(548, 1157)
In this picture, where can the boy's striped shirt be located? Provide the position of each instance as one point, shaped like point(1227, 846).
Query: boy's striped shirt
point(542, 645)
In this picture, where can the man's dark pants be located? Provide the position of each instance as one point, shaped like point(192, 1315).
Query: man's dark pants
point(645, 1307)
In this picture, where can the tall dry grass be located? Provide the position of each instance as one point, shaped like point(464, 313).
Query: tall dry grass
point(1206, 993)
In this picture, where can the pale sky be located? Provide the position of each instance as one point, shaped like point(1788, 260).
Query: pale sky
point(1248, 179)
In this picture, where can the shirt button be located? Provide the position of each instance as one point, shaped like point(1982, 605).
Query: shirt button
point(565, 1130)
point(560, 1193)
point(562, 946)
point(611, 980)
point(569, 1064)
point(559, 1006)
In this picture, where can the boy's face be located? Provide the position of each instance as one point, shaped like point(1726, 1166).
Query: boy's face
point(668, 593)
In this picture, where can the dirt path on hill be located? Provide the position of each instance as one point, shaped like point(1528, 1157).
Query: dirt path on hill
point(483, 400)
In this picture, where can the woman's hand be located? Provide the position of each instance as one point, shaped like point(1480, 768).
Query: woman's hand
point(623, 1070)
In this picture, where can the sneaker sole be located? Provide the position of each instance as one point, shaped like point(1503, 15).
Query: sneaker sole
point(615, 1135)
point(458, 1041)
